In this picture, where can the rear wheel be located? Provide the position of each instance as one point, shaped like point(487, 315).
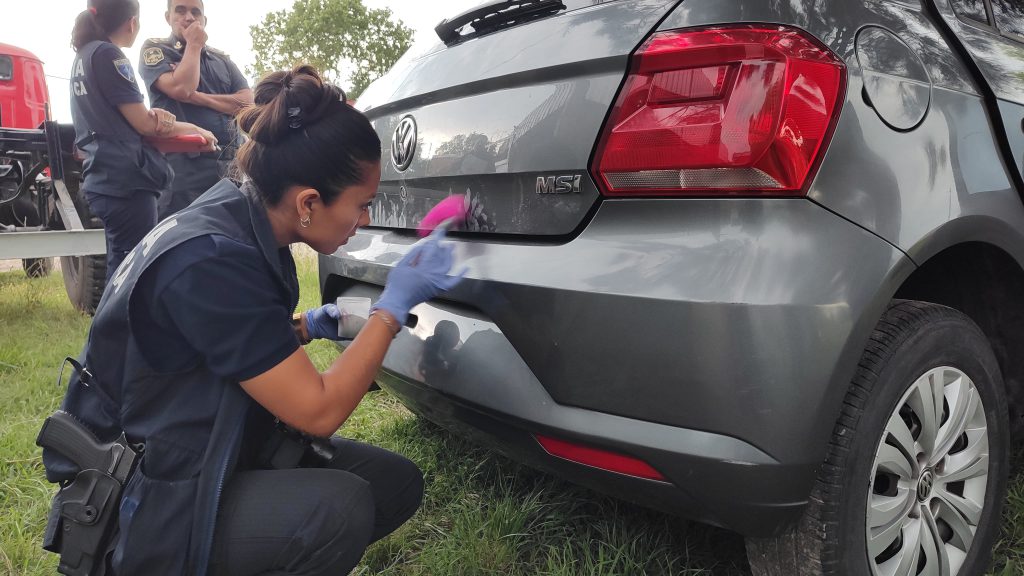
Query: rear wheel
point(915, 477)
point(85, 277)
point(37, 267)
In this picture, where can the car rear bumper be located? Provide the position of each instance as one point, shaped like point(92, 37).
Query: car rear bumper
point(710, 478)
point(712, 339)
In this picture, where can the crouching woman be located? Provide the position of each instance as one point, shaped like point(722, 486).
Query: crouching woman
point(194, 353)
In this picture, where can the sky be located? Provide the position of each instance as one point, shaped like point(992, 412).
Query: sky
point(43, 27)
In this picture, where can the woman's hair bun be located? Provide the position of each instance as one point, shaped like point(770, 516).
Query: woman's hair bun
point(287, 101)
point(303, 132)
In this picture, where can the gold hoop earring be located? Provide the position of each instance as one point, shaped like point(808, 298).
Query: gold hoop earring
point(304, 222)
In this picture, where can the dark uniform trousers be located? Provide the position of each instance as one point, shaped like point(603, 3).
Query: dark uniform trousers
point(314, 520)
point(126, 221)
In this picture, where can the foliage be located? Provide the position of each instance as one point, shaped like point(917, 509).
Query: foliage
point(350, 44)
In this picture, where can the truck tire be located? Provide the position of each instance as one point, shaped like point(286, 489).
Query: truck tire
point(85, 277)
point(37, 267)
point(905, 490)
point(84, 280)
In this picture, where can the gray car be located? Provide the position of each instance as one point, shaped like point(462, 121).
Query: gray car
point(754, 262)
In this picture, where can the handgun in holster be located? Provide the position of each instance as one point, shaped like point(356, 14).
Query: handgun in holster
point(84, 513)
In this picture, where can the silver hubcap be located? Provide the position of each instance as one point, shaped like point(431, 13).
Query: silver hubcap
point(929, 478)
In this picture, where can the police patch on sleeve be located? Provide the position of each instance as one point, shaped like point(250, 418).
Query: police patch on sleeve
point(153, 56)
point(124, 68)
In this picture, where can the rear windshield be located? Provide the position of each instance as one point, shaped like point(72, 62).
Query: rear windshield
point(6, 67)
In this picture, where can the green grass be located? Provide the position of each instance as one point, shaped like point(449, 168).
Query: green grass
point(482, 514)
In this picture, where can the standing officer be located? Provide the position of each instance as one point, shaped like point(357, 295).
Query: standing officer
point(122, 175)
point(200, 85)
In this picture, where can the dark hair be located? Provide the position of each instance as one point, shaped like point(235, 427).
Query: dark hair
point(100, 19)
point(302, 132)
point(170, 2)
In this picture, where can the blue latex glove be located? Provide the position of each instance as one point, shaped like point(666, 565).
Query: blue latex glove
point(322, 322)
point(419, 276)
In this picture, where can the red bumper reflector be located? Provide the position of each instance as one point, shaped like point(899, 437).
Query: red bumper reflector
point(599, 458)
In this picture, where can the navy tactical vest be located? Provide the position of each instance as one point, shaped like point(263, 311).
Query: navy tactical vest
point(191, 422)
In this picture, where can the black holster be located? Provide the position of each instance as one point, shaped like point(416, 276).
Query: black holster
point(84, 515)
point(82, 523)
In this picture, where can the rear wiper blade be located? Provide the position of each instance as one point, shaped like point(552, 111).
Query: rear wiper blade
point(495, 16)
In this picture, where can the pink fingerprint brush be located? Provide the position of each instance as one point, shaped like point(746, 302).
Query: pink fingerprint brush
point(454, 208)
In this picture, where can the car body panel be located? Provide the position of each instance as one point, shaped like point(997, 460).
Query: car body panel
point(491, 121)
point(710, 477)
point(708, 278)
point(837, 26)
point(1000, 60)
point(946, 170)
point(945, 162)
point(714, 338)
point(607, 30)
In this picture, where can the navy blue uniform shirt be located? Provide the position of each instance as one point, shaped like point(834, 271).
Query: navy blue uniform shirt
point(195, 172)
point(117, 163)
point(112, 81)
point(217, 75)
point(214, 277)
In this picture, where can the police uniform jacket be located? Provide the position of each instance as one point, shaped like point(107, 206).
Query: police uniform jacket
point(117, 161)
point(217, 75)
point(191, 421)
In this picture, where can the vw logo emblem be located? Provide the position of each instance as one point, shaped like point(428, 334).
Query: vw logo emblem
point(403, 144)
point(924, 487)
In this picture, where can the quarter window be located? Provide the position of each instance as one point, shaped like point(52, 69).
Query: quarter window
point(6, 68)
point(1009, 16)
point(971, 9)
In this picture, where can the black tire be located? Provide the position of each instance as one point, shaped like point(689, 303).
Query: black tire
point(85, 277)
point(37, 267)
point(84, 280)
point(910, 340)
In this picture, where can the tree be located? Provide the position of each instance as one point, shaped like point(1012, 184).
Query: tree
point(347, 42)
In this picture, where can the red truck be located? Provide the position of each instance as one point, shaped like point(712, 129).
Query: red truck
point(23, 94)
point(42, 215)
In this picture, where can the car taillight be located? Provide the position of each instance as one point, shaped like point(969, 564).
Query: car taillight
point(743, 110)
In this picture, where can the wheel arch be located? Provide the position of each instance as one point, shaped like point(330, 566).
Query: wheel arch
point(986, 283)
point(978, 276)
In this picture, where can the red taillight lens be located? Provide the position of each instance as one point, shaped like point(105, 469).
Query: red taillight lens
point(740, 110)
point(599, 458)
